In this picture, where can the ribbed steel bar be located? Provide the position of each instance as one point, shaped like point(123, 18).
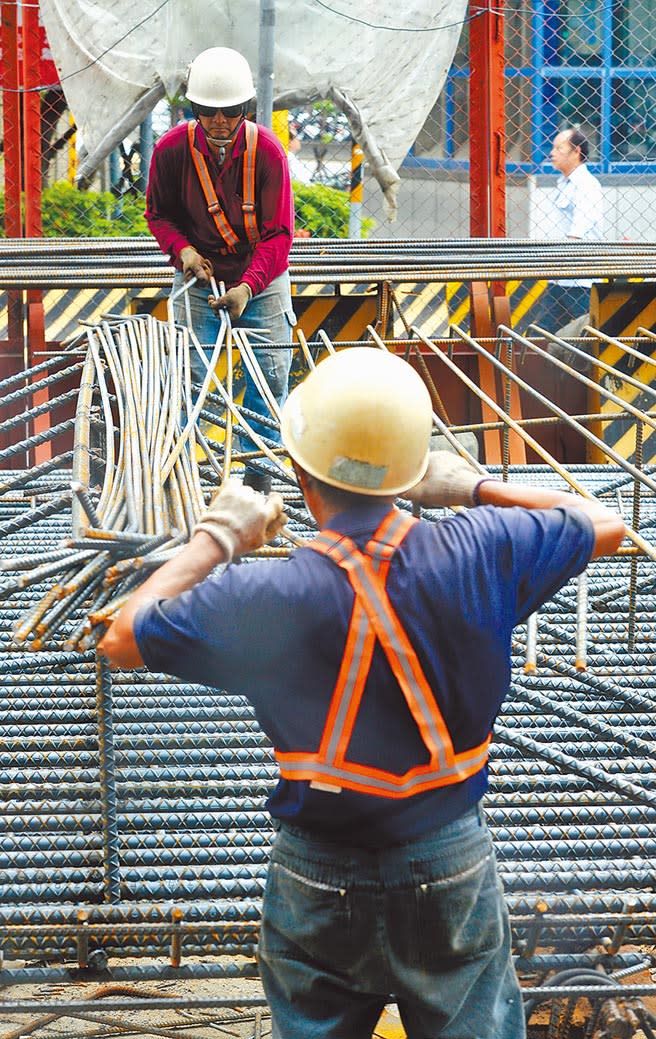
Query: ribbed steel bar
point(42, 512)
point(586, 434)
point(191, 768)
point(132, 263)
point(605, 989)
point(35, 441)
point(9, 399)
point(632, 535)
point(104, 707)
point(35, 474)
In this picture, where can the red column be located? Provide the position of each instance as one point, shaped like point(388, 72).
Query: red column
point(32, 119)
point(10, 73)
point(36, 338)
point(487, 213)
point(487, 130)
point(11, 351)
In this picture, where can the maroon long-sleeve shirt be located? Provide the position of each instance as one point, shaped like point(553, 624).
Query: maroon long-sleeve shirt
point(176, 208)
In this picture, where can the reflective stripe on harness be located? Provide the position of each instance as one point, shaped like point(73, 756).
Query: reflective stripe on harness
point(248, 181)
point(373, 617)
point(248, 184)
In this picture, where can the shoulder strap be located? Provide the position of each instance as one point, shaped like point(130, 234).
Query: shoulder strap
point(368, 582)
point(248, 204)
point(213, 204)
point(373, 617)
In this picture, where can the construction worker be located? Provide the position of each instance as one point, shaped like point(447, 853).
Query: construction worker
point(376, 661)
point(219, 203)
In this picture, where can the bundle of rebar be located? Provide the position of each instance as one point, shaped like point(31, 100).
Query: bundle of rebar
point(138, 262)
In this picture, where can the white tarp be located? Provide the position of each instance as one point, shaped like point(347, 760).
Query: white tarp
point(382, 63)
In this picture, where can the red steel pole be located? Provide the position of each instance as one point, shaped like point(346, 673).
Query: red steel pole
point(487, 213)
point(36, 337)
point(487, 131)
point(12, 349)
point(32, 119)
point(11, 118)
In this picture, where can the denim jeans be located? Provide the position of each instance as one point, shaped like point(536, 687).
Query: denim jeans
point(271, 310)
point(345, 931)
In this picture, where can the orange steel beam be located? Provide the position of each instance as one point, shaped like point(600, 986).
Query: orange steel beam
point(11, 350)
point(36, 337)
point(487, 151)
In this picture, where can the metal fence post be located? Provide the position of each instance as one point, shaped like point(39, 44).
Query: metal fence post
point(265, 62)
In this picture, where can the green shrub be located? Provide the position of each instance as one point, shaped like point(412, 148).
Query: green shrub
point(69, 213)
point(324, 211)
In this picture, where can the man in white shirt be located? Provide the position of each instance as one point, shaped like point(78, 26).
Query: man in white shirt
point(298, 171)
point(576, 212)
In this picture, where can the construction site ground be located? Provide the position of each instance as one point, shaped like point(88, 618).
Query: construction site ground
point(225, 1022)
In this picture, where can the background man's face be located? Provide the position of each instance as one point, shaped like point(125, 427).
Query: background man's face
point(564, 155)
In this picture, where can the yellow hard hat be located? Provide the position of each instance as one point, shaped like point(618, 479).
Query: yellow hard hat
point(360, 421)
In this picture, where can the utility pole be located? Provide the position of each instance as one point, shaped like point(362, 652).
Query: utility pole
point(265, 62)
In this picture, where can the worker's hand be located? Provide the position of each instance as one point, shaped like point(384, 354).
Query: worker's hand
point(241, 519)
point(194, 265)
point(235, 300)
point(449, 480)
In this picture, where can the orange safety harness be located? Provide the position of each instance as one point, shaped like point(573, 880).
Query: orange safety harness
point(248, 194)
point(373, 617)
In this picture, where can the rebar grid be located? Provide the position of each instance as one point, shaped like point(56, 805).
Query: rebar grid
point(157, 835)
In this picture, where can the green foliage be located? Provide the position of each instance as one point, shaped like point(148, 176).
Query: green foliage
point(68, 212)
point(324, 211)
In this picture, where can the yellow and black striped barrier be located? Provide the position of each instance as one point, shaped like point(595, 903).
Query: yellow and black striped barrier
point(356, 191)
point(619, 310)
point(343, 312)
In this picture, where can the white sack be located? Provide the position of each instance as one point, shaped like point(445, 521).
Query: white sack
point(382, 63)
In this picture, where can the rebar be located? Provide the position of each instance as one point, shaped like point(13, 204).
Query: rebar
point(126, 796)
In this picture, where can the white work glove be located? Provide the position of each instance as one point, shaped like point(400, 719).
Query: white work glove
point(241, 519)
point(235, 300)
point(449, 480)
point(194, 265)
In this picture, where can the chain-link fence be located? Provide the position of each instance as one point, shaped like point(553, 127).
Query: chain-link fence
point(569, 63)
point(589, 66)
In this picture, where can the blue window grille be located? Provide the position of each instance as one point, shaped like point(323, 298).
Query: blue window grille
point(588, 63)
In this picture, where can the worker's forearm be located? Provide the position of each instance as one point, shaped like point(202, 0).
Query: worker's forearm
point(608, 525)
point(190, 566)
point(495, 492)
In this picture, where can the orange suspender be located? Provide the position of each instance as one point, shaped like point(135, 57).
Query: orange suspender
point(374, 617)
point(248, 182)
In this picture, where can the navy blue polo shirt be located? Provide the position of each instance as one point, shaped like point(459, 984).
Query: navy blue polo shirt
point(274, 631)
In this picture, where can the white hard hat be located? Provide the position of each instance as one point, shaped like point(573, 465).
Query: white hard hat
point(361, 421)
point(219, 78)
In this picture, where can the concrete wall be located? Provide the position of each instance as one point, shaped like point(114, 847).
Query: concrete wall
point(438, 207)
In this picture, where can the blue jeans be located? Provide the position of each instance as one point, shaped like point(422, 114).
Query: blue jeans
point(345, 931)
point(271, 310)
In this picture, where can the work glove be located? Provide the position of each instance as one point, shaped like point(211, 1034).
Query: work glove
point(194, 265)
point(235, 300)
point(241, 519)
point(449, 480)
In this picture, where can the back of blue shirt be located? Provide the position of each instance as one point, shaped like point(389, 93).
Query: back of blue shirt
point(275, 631)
